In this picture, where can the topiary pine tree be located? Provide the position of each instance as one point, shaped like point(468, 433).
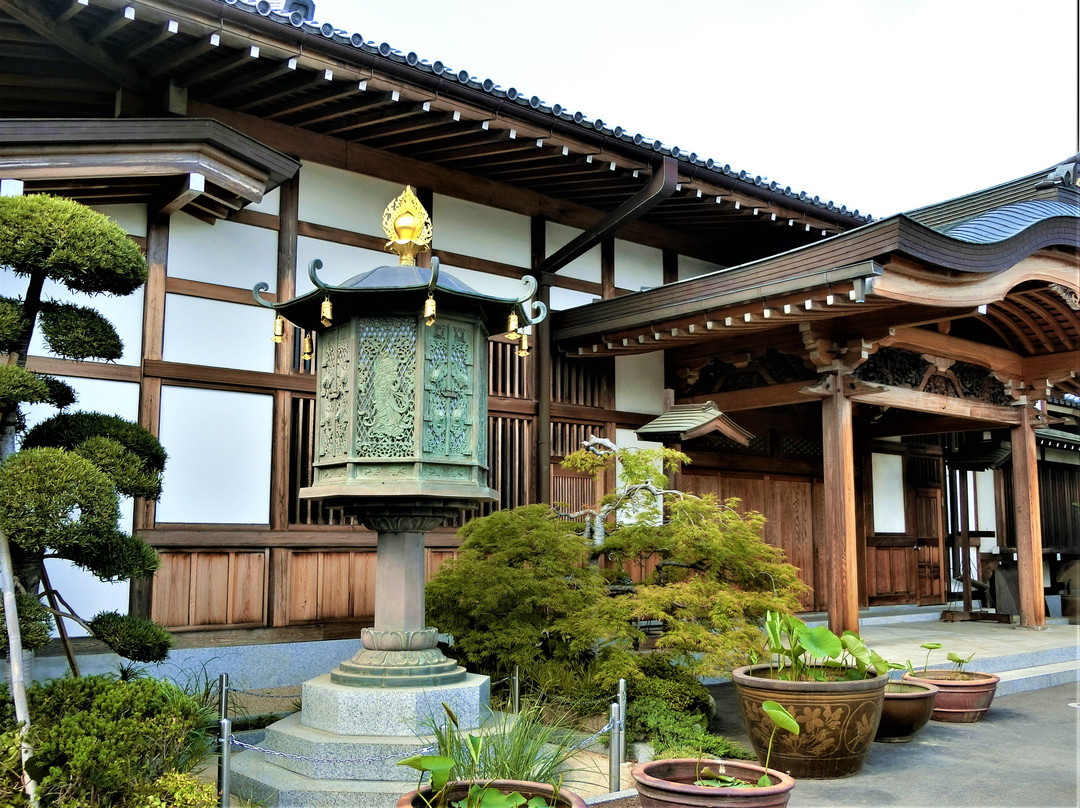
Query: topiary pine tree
point(59, 493)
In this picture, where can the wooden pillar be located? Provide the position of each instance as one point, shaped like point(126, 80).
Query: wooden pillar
point(541, 357)
point(840, 534)
point(607, 268)
point(153, 340)
point(1028, 522)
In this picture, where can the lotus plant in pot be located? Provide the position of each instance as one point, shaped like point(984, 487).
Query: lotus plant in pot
point(963, 696)
point(834, 686)
point(718, 783)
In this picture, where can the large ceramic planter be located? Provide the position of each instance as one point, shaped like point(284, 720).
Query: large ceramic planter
point(667, 783)
point(906, 709)
point(837, 721)
point(962, 698)
point(459, 790)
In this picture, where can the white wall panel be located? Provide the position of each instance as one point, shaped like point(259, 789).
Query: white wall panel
point(271, 203)
point(340, 261)
point(481, 231)
point(637, 266)
point(219, 334)
point(339, 198)
point(585, 267)
point(130, 217)
point(219, 456)
point(692, 267)
point(639, 383)
point(486, 283)
point(225, 253)
point(888, 480)
point(569, 298)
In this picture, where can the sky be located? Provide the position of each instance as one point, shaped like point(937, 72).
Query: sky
point(880, 105)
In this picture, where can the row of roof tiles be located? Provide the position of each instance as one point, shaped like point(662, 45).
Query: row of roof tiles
point(270, 10)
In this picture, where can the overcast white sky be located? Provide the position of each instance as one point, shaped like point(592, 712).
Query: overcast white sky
point(881, 105)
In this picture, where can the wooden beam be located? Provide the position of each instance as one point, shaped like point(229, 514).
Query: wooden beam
point(776, 395)
point(188, 189)
point(840, 538)
point(183, 374)
point(1028, 521)
point(888, 396)
point(1003, 362)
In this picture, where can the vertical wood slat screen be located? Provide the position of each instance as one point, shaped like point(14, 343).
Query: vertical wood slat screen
point(198, 589)
point(508, 373)
point(585, 382)
point(301, 457)
point(567, 437)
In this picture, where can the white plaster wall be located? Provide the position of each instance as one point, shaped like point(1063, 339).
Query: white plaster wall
point(130, 217)
point(637, 266)
point(692, 267)
point(225, 253)
point(984, 511)
point(86, 594)
point(888, 484)
point(486, 283)
point(585, 267)
point(219, 334)
point(271, 203)
point(569, 298)
point(340, 261)
point(639, 383)
point(481, 231)
point(219, 456)
point(342, 199)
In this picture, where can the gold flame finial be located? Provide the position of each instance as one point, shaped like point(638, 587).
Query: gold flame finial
point(408, 226)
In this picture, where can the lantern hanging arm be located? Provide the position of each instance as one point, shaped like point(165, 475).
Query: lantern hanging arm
point(532, 311)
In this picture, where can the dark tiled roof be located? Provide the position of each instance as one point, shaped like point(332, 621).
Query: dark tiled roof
point(1007, 221)
point(269, 9)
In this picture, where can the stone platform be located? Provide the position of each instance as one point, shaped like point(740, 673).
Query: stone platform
point(343, 749)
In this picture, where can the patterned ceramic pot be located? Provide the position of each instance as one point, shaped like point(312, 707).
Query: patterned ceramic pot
point(906, 710)
point(962, 698)
point(667, 783)
point(838, 720)
point(459, 790)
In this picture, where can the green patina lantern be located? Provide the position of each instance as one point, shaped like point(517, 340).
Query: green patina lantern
point(401, 414)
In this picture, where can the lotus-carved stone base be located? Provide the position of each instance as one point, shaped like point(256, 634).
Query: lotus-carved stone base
point(398, 659)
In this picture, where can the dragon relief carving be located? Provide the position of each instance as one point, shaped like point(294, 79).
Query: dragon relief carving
point(900, 368)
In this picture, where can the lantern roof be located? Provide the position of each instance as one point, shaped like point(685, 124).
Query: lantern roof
point(388, 288)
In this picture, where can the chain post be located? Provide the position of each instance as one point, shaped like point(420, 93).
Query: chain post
point(224, 740)
point(621, 734)
point(614, 769)
point(515, 689)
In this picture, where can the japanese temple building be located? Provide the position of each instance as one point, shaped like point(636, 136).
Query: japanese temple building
point(899, 397)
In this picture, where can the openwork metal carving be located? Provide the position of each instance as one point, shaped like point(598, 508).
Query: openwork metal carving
point(448, 390)
point(385, 370)
point(334, 389)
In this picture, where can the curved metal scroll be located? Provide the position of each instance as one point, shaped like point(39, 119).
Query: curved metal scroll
point(538, 310)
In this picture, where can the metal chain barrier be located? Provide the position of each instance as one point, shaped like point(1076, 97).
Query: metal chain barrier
point(588, 741)
point(290, 756)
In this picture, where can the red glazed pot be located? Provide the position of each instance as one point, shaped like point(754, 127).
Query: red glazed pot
point(838, 720)
point(959, 700)
point(459, 790)
point(667, 783)
point(906, 710)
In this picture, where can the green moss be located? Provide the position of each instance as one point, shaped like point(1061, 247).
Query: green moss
point(70, 243)
point(76, 332)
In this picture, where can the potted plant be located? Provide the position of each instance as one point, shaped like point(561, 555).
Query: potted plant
point(718, 783)
point(963, 696)
point(907, 706)
point(476, 789)
point(833, 685)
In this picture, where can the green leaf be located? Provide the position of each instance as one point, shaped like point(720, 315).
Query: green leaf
point(930, 646)
point(476, 745)
point(780, 716)
point(858, 650)
point(764, 781)
point(821, 643)
point(439, 766)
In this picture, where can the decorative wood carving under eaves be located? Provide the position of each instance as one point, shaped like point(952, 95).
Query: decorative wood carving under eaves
point(899, 368)
point(717, 376)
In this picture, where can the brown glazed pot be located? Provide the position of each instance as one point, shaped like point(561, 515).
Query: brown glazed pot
point(666, 783)
point(837, 721)
point(959, 700)
point(459, 790)
point(906, 710)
